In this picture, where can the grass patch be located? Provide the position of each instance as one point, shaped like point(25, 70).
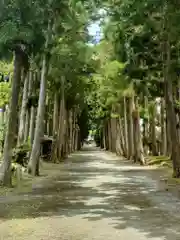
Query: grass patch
point(17, 187)
point(159, 161)
point(24, 185)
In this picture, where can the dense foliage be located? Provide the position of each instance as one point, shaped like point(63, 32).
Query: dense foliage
point(125, 88)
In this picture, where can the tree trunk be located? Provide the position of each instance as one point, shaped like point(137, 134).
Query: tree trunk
point(54, 156)
point(73, 130)
point(104, 135)
point(130, 128)
point(55, 114)
point(163, 129)
point(65, 136)
point(171, 115)
point(61, 120)
point(109, 135)
point(35, 154)
point(125, 128)
point(32, 124)
point(23, 108)
point(153, 130)
point(70, 130)
point(28, 111)
point(139, 153)
point(121, 138)
point(145, 127)
point(46, 120)
point(113, 134)
point(32, 112)
point(5, 171)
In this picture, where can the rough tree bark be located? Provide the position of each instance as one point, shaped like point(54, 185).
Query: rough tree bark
point(125, 127)
point(5, 170)
point(138, 148)
point(163, 129)
point(61, 128)
point(32, 115)
point(171, 115)
point(33, 164)
point(121, 138)
point(70, 130)
point(153, 129)
point(113, 134)
point(130, 127)
point(28, 111)
point(109, 135)
point(145, 127)
point(23, 108)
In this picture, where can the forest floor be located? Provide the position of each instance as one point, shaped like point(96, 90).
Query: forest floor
point(93, 195)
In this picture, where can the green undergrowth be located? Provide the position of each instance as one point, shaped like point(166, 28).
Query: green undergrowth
point(26, 183)
point(23, 186)
point(163, 161)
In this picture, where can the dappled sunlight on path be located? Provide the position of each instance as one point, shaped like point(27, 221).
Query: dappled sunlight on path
point(96, 195)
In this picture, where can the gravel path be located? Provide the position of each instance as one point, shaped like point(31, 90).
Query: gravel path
point(95, 196)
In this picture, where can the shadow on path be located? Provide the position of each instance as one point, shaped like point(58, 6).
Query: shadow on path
point(96, 185)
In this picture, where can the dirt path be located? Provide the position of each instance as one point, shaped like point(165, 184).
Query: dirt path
point(95, 196)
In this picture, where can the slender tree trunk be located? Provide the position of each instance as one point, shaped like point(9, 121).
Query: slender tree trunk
point(3, 116)
point(109, 135)
point(76, 137)
point(5, 171)
point(72, 141)
point(55, 146)
point(139, 153)
point(125, 127)
point(65, 135)
point(35, 154)
point(168, 134)
point(145, 127)
point(61, 119)
point(70, 130)
point(113, 134)
point(32, 124)
point(178, 115)
point(104, 135)
point(46, 122)
point(55, 114)
point(130, 128)
point(153, 130)
point(32, 112)
point(28, 111)
point(23, 108)
point(121, 138)
point(163, 129)
point(118, 138)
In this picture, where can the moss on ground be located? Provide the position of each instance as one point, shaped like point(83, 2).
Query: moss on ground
point(159, 161)
point(27, 182)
